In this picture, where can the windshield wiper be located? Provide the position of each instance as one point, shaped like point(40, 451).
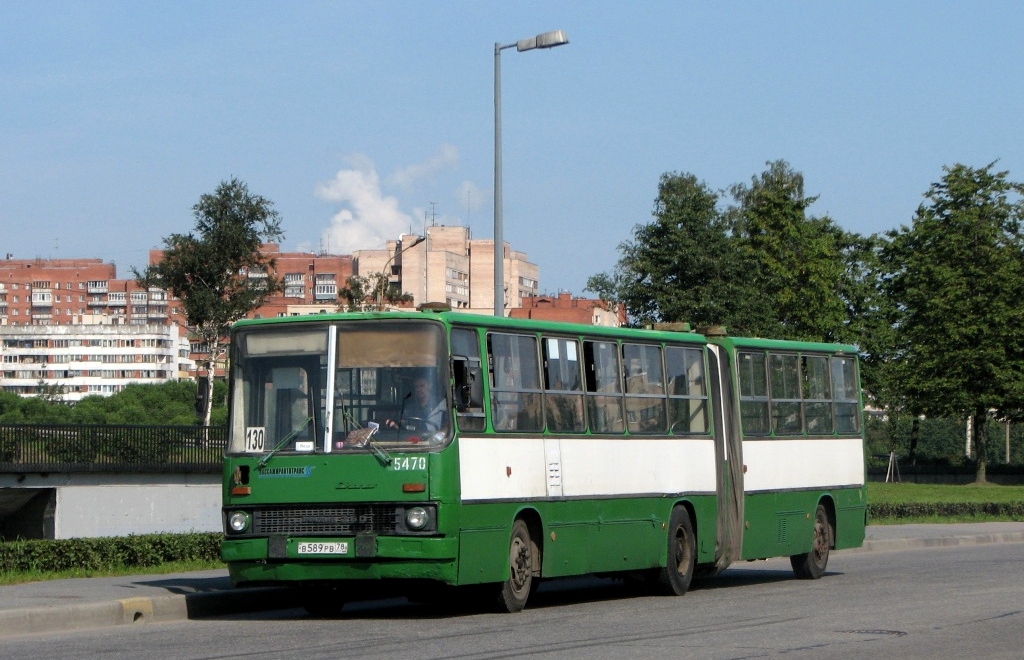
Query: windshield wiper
point(282, 442)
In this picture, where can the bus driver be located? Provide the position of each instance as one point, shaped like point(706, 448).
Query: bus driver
point(421, 409)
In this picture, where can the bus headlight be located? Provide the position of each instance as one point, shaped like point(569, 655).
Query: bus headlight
point(417, 518)
point(238, 521)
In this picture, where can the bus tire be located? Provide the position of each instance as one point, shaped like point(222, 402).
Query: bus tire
point(811, 565)
point(516, 589)
point(674, 578)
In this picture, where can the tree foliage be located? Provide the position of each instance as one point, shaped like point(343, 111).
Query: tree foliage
point(371, 293)
point(218, 270)
point(760, 267)
point(170, 403)
point(955, 278)
point(683, 266)
point(799, 258)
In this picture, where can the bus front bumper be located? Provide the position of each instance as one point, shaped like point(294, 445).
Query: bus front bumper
point(291, 559)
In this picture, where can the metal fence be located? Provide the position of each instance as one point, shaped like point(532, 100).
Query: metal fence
point(28, 448)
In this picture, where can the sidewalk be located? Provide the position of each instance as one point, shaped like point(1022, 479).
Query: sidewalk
point(68, 605)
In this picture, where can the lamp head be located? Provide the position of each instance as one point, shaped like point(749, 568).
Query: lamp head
point(546, 40)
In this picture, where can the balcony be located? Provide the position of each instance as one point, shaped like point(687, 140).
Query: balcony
point(42, 299)
point(326, 292)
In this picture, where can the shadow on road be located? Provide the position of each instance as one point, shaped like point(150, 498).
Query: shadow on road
point(471, 601)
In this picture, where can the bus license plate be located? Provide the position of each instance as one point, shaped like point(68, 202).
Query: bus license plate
point(335, 548)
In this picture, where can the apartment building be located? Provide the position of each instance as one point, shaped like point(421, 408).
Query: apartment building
point(87, 359)
point(54, 308)
point(446, 265)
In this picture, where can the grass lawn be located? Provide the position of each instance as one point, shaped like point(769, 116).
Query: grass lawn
point(911, 493)
point(17, 577)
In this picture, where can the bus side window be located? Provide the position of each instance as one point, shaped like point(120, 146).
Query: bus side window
point(817, 394)
point(515, 382)
point(645, 388)
point(753, 377)
point(564, 393)
point(688, 404)
point(784, 390)
point(847, 397)
point(603, 387)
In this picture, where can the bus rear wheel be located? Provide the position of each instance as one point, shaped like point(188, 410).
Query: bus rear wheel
point(674, 579)
point(516, 589)
point(811, 565)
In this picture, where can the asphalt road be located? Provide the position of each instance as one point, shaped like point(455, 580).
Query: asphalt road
point(925, 600)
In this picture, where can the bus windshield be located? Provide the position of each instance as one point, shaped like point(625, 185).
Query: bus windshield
point(340, 387)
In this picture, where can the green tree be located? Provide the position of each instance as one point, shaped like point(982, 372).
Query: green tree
point(762, 267)
point(869, 315)
point(371, 293)
point(685, 265)
point(956, 280)
point(801, 262)
point(51, 393)
point(218, 270)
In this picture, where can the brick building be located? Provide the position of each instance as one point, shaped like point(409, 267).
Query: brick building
point(564, 307)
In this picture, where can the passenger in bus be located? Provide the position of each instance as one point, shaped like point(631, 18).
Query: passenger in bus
point(422, 409)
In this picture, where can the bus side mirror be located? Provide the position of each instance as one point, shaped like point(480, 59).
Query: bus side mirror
point(468, 391)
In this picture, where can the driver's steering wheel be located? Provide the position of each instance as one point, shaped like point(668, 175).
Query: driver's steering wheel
point(411, 423)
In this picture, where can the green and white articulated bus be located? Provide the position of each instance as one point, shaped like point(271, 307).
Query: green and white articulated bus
point(552, 450)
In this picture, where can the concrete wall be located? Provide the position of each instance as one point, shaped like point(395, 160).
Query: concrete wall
point(90, 505)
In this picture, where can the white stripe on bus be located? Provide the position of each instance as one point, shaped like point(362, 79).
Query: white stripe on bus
point(783, 464)
point(530, 468)
point(540, 468)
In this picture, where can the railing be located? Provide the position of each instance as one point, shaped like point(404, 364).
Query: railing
point(26, 448)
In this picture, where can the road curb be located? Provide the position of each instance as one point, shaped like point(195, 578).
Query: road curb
point(888, 545)
point(142, 609)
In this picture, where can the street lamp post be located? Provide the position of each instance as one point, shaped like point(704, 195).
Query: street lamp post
point(545, 40)
point(385, 280)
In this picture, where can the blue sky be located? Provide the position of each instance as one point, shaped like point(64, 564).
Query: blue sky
point(361, 120)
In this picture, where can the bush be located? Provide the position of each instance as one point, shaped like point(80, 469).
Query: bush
point(1014, 510)
point(136, 404)
point(108, 553)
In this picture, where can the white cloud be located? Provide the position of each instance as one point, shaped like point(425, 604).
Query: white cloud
point(368, 217)
point(407, 177)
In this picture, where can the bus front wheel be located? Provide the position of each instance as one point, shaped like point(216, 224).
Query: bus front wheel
point(674, 579)
point(516, 589)
point(811, 565)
